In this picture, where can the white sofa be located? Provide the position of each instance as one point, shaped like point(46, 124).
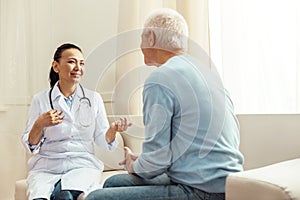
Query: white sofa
point(267, 141)
point(280, 181)
point(271, 146)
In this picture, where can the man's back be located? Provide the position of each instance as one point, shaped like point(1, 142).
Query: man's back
point(191, 131)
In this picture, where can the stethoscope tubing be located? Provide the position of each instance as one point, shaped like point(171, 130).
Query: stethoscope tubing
point(84, 97)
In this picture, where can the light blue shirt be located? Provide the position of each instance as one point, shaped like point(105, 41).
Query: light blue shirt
point(69, 101)
point(191, 131)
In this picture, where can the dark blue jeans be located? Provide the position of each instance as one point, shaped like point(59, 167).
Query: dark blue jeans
point(59, 194)
point(132, 187)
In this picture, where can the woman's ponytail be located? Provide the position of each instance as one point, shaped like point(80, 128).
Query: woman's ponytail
point(53, 77)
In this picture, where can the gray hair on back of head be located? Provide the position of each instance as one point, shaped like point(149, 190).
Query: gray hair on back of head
point(170, 29)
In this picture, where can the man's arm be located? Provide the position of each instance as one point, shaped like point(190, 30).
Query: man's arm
point(158, 112)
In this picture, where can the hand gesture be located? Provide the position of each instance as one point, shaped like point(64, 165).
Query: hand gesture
point(120, 125)
point(50, 118)
point(129, 160)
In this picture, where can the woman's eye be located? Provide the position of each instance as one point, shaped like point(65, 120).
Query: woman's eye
point(82, 64)
point(71, 62)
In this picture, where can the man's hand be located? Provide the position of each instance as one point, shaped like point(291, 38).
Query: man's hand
point(129, 160)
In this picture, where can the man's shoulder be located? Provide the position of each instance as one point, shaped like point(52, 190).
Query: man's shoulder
point(163, 72)
point(158, 77)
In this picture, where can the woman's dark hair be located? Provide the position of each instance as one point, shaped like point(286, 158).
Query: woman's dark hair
point(53, 76)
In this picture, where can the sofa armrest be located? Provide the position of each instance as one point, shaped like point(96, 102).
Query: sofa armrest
point(280, 181)
point(111, 159)
point(20, 189)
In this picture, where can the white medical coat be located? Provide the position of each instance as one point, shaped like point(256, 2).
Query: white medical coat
point(67, 152)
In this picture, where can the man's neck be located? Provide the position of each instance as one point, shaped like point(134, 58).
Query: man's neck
point(163, 56)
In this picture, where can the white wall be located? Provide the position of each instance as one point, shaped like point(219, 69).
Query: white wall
point(269, 138)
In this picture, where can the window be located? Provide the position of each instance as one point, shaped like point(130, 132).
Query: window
point(255, 46)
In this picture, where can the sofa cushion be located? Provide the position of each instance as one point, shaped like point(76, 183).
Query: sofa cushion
point(111, 159)
point(279, 181)
point(20, 189)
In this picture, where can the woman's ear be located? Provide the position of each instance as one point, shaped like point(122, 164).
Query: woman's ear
point(55, 66)
point(151, 38)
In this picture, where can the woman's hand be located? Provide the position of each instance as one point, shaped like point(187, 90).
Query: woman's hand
point(50, 118)
point(120, 125)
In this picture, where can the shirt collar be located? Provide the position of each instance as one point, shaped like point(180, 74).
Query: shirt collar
point(56, 93)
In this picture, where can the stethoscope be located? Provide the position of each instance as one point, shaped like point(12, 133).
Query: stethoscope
point(84, 111)
point(84, 98)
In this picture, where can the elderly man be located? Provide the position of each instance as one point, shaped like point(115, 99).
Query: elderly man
point(192, 134)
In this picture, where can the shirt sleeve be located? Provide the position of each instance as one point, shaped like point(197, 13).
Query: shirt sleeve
point(34, 148)
point(113, 145)
point(158, 111)
point(34, 113)
point(102, 126)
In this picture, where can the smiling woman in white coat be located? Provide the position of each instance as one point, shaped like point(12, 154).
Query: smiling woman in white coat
point(64, 123)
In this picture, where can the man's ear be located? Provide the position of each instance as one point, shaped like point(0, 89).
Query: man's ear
point(55, 66)
point(151, 38)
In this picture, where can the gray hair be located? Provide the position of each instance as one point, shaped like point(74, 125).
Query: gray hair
point(170, 29)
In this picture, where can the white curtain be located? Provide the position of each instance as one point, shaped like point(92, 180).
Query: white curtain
point(255, 45)
point(14, 51)
point(132, 14)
